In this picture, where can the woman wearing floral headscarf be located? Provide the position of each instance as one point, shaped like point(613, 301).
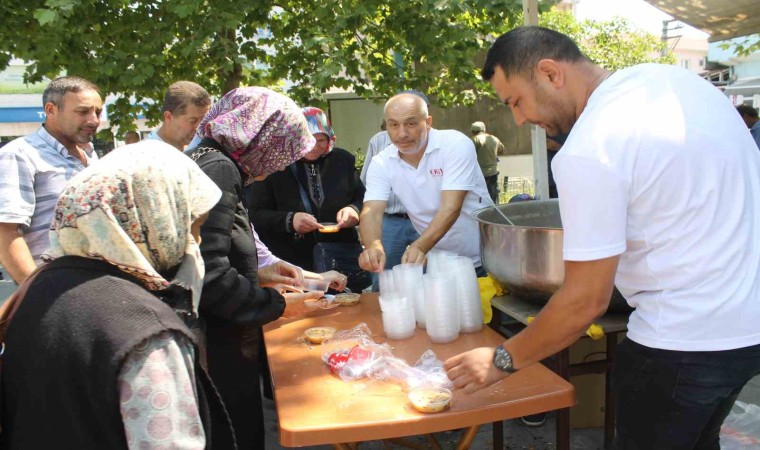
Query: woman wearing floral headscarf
point(100, 353)
point(249, 134)
point(330, 182)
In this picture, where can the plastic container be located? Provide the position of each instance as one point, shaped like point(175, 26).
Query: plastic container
point(430, 399)
point(310, 284)
point(329, 227)
point(317, 335)
point(347, 299)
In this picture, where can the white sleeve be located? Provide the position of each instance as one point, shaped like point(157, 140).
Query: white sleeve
point(460, 166)
point(371, 152)
point(378, 185)
point(593, 203)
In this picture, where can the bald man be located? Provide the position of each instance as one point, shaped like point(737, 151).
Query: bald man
point(435, 175)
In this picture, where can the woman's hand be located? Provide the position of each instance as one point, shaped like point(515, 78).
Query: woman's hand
point(337, 280)
point(305, 223)
point(281, 272)
point(347, 217)
point(294, 299)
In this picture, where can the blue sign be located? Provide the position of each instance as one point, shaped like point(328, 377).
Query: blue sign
point(33, 114)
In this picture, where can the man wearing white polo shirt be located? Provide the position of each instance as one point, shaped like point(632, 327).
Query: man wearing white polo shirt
point(435, 175)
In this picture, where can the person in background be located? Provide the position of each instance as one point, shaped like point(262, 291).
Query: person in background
point(328, 178)
point(664, 204)
point(35, 168)
point(487, 148)
point(110, 318)
point(749, 116)
point(436, 177)
point(131, 137)
point(185, 104)
point(249, 134)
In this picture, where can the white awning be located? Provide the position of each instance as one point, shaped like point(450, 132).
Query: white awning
point(721, 19)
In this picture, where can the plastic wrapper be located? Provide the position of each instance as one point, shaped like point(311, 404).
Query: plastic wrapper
point(427, 372)
point(352, 352)
point(740, 430)
point(375, 361)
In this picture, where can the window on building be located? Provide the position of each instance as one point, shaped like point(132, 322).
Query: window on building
point(685, 63)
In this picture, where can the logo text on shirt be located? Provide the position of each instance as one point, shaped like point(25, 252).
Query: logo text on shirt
point(436, 172)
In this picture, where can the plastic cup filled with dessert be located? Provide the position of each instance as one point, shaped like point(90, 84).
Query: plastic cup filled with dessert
point(329, 227)
point(317, 335)
point(347, 299)
point(430, 399)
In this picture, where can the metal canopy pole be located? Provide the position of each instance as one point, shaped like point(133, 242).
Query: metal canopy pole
point(537, 134)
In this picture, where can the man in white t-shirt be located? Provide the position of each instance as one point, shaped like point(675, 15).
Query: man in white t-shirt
point(659, 194)
point(435, 175)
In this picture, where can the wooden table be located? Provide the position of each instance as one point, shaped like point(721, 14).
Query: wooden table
point(520, 309)
point(315, 407)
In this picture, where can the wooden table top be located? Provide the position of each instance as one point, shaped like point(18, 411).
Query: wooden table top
point(315, 407)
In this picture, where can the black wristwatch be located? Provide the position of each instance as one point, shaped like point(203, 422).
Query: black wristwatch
point(503, 360)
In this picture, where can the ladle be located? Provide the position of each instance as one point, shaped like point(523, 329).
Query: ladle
point(501, 213)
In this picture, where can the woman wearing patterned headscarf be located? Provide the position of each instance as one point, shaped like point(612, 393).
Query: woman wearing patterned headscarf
point(326, 176)
point(249, 134)
point(101, 352)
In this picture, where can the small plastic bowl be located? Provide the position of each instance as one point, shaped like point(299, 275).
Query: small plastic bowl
point(329, 228)
point(317, 335)
point(347, 299)
point(430, 399)
point(315, 285)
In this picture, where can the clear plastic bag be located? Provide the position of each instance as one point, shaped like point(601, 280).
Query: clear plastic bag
point(353, 355)
point(741, 429)
point(427, 372)
point(353, 352)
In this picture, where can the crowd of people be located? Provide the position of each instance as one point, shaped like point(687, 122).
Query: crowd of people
point(145, 276)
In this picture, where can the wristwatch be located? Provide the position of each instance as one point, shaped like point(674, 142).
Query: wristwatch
point(503, 360)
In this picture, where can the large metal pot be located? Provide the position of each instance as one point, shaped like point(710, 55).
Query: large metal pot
point(526, 257)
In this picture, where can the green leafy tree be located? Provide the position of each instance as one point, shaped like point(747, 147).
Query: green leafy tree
point(135, 48)
point(744, 46)
point(614, 44)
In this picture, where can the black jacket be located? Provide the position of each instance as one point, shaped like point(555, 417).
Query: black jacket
point(64, 350)
point(271, 203)
point(231, 291)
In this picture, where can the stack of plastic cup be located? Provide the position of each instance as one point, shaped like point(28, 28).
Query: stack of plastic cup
point(385, 280)
point(442, 310)
point(398, 316)
point(468, 293)
point(408, 281)
point(437, 257)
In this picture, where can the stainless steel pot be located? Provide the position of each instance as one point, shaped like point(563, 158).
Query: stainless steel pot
point(526, 257)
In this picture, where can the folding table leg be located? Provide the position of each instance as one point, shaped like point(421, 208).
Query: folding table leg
point(563, 415)
point(498, 435)
point(609, 397)
point(468, 437)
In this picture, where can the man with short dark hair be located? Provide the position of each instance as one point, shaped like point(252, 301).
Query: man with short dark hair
point(750, 118)
point(666, 206)
point(131, 137)
point(487, 147)
point(35, 168)
point(185, 105)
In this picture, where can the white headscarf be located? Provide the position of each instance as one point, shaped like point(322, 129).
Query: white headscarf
point(134, 209)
